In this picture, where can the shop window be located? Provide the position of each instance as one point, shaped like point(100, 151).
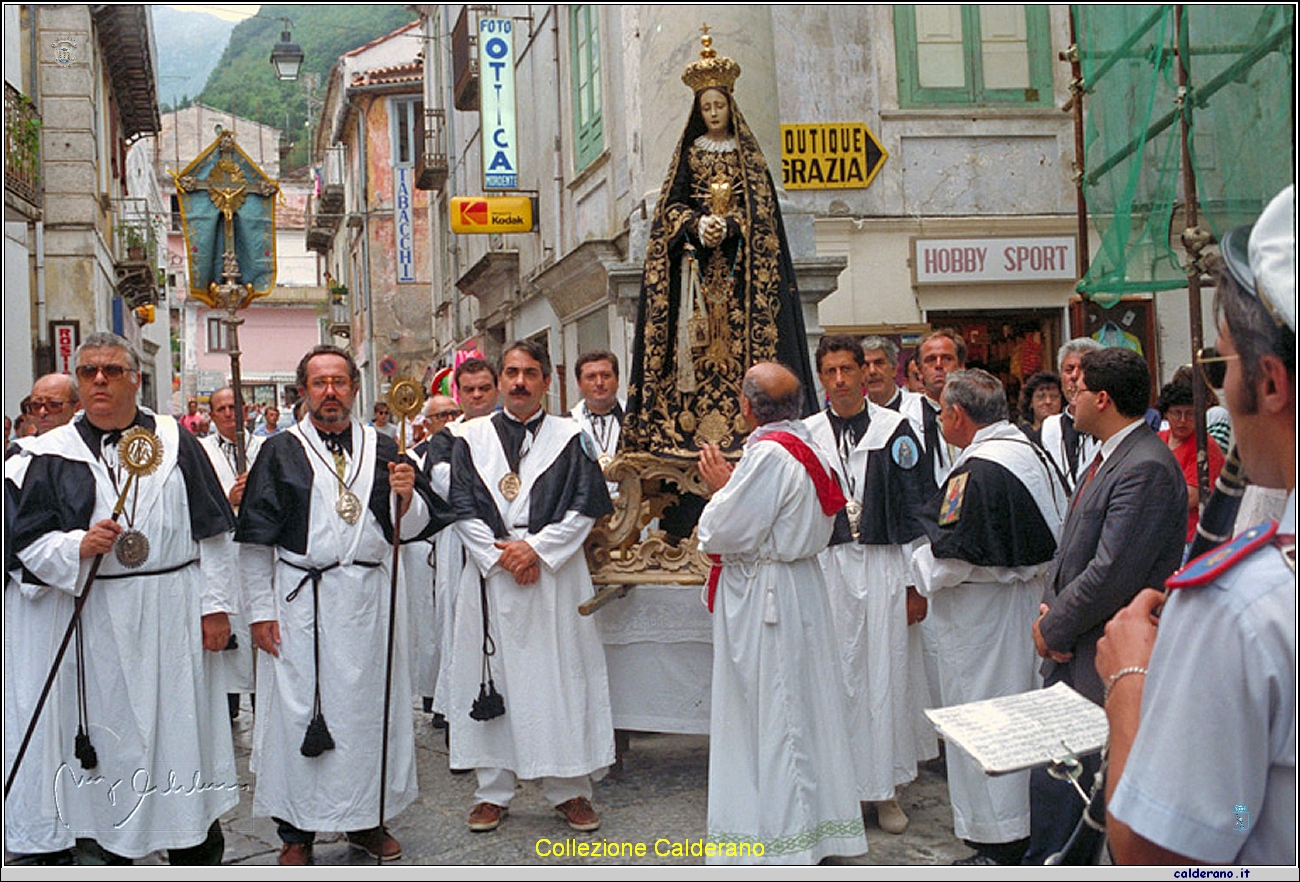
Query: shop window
point(584, 49)
point(973, 55)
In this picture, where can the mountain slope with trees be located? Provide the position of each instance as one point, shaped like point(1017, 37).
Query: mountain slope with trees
point(244, 81)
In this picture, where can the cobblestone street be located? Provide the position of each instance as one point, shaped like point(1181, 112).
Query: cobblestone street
point(658, 793)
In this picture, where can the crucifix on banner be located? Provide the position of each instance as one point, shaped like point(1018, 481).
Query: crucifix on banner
point(228, 215)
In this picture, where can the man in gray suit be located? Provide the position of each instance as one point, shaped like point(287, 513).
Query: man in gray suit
point(1124, 531)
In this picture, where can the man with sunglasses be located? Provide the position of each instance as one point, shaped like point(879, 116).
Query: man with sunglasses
point(419, 563)
point(154, 726)
point(1202, 708)
point(52, 404)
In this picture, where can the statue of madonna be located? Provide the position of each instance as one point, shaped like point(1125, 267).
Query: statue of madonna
point(718, 293)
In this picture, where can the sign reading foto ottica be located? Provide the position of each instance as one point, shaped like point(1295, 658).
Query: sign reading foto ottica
point(496, 64)
point(829, 156)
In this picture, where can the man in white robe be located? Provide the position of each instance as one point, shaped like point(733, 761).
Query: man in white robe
point(867, 567)
point(163, 768)
point(940, 352)
point(476, 386)
point(984, 571)
point(316, 527)
point(526, 489)
point(600, 412)
point(35, 617)
point(1072, 450)
point(419, 567)
point(235, 662)
point(782, 774)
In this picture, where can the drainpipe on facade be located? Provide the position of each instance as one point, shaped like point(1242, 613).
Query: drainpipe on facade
point(364, 162)
point(559, 153)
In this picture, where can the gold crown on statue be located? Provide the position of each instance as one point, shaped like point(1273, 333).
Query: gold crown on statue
point(711, 71)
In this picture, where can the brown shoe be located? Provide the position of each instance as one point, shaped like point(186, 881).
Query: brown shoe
point(295, 854)
point(375, 842)
point(891, 817)
point(580, 815)
point(485, 816)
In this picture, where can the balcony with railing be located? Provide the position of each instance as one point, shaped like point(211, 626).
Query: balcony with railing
point(22, 147)
point(330, 206)
point(340, 317)
point(320, 236)
point(431, 170)
point(135, 252)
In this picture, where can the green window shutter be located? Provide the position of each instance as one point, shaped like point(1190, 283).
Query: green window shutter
point(584, 51)
point(971, 55)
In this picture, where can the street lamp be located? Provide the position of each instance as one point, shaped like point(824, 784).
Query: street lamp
point(287, 56)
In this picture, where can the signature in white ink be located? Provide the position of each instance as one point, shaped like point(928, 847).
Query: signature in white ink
point(140, 788)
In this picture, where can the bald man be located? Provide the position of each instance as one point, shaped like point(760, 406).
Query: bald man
point(440, 410)
point(782, 779)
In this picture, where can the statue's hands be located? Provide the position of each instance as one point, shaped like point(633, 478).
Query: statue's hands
point(712, 230)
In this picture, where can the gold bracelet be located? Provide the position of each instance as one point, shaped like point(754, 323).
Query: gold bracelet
point(1119, 675)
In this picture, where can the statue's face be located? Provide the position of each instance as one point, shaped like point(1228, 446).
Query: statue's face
point(716, 112)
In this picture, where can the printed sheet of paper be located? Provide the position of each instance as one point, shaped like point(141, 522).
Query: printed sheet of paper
point(1024, 731)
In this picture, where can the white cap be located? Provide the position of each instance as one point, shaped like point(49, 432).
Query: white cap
point(1272, 257)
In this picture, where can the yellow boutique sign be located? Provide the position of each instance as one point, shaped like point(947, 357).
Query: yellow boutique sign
point(829, 156)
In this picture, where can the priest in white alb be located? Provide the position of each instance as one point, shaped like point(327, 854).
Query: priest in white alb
point(782, 775)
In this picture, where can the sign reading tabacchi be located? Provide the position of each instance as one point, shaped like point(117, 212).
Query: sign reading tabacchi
point(829, 156)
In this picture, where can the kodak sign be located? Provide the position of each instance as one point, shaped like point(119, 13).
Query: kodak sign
point(493, 214)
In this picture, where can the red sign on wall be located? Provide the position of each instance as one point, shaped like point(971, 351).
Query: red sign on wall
point(65, 337)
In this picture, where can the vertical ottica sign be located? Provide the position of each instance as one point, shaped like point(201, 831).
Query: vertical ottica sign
point(496, 65)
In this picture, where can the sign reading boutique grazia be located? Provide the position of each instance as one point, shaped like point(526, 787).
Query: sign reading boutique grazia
point(496, 64)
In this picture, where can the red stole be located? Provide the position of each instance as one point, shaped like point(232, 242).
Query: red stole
point(828, 490)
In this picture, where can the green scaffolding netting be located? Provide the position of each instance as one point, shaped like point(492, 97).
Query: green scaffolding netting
point(1239, 107)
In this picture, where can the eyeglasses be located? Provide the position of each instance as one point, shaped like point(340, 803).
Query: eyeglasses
point(1213, 366)
point(51, 406)
point(446, 414)
point(88, 372)
point(319, 383)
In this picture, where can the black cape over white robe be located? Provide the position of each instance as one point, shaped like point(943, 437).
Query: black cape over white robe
point(549, 663)
point(992, 542)
point(866, 581)
point(288, 526)
point(159, 726)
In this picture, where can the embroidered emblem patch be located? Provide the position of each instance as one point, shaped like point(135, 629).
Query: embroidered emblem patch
point(905, 453)
point(950, 511)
